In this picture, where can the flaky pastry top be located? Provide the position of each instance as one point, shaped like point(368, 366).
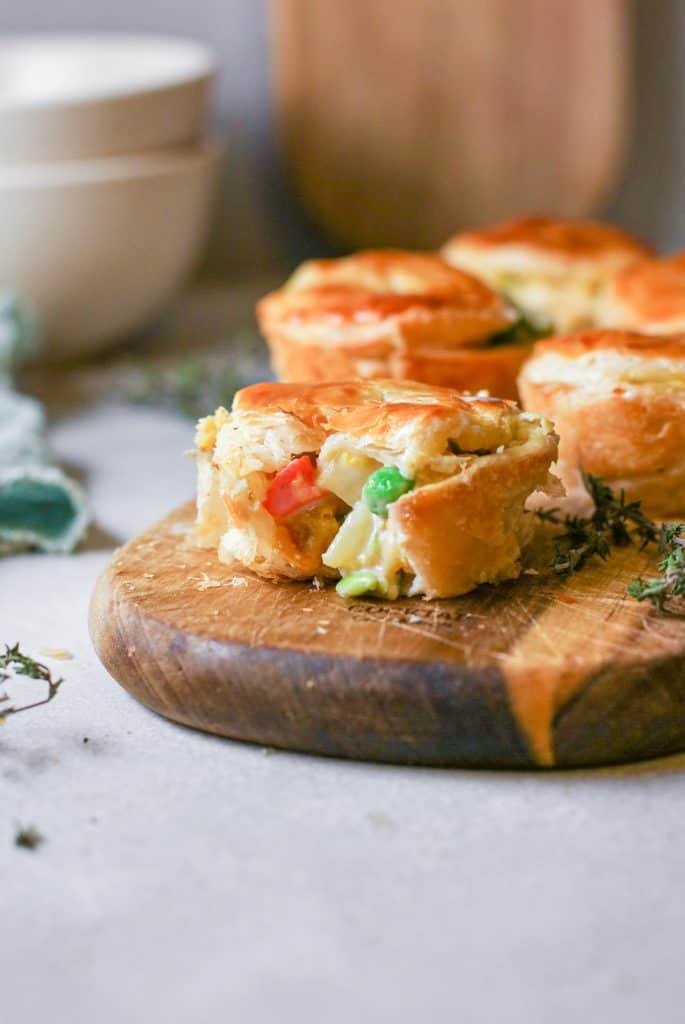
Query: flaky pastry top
point(649, 294)
point(548, 242)
point(416, 421)
point(374, 287)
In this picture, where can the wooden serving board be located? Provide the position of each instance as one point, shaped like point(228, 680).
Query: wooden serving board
point(541, 671)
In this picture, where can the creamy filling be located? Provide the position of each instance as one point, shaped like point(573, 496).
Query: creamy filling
point(552, 302)
point(563, 305)
point(367, 542)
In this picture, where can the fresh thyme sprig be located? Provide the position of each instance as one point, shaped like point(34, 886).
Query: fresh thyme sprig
point(15, 662)
point(671, 583)
point(613, 523)
point(195, 384)
point(616, 522)
point(29, 838)
point(189, 387)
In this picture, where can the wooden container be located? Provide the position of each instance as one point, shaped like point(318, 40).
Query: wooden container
point(403, 121)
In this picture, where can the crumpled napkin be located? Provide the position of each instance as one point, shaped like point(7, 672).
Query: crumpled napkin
point(40, 506)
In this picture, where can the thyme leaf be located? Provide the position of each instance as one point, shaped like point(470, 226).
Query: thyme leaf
point(192, 385)
point(14, 662)
point(671, 581)
point(29, 838)
point(616, 522)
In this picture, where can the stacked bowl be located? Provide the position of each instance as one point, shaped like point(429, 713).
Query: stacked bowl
point(106, 180)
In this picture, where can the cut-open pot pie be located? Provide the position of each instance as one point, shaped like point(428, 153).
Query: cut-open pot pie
point(648, 296)
point(618, 402)
point(389, 487)
point(552, 269)
point(390, 313)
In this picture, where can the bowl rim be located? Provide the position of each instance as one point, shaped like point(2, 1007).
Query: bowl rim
point(107, 170)
point(199, 65)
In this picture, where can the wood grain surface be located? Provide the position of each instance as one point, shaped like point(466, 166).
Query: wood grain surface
point(401, 122)
point(538, 672)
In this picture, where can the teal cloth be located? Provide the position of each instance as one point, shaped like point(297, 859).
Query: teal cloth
point(40, 506)
point(19, 335)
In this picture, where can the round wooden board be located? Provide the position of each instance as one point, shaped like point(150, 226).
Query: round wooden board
point(541, 671)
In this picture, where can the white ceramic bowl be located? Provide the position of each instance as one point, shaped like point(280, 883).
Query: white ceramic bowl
point(73, 97)
point(99, 248)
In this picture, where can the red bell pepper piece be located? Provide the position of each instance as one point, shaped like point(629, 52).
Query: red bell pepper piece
point(293, 488)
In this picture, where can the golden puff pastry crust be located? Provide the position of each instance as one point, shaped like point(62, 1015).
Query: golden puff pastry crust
point(648, 296)
point(552, 268)
point(618, 401)
point(467, 463)
point(390, 313)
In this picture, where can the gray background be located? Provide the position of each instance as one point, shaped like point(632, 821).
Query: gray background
point(259, 226)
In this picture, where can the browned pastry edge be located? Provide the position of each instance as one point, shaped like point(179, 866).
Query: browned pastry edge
point(469, 369)
point(650, 291)
point(572, 239)
point(671, 346)
point(354, 405)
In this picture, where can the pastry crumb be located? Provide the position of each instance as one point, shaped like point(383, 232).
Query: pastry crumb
point(58, 653)
point(205, 582)
point(380, 820)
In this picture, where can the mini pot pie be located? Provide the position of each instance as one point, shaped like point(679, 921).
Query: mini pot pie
point(391, 313)
point(618, 401)
point(389, 487)
point(648, 296)
point(552, 269)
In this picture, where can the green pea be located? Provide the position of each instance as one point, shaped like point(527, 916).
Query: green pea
point(355, 583)
point(383, 487)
